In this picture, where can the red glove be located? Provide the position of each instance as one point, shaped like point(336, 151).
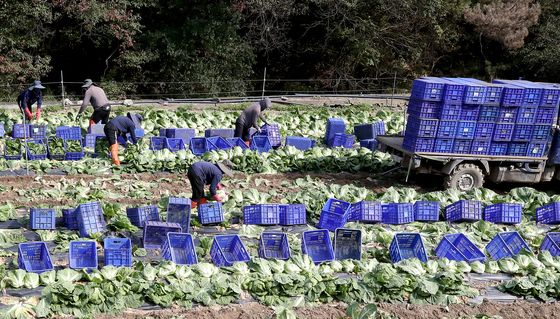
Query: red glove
point(28, 114)
point(217, 198)
point(220, 186)
point(38, 114)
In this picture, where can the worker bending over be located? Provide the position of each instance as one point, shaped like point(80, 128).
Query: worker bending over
point(249, 118)
point(201, 174)
point(99, 101)
point(30, 96)
point(120, 126)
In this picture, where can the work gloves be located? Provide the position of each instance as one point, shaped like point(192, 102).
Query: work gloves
point(220, 186)
point(38, 114)
point(217, 198)
point(28, 114)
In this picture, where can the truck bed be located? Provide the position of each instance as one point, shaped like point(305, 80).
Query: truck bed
point(396, 142)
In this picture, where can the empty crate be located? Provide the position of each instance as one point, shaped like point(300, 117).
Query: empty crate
point(222, 132)
point(334, 214)
point(90, 219)
point(506, 245)
point(464, 210)
point(343, 140)
point(274, 245)
point(292, 214)
point(261, 214)
point(155, 233)
point(347, 244)
point(118, 252)
point(70, 218)
point(549, 214)
point(551, 243)
point(180, 249)
point(140, 215)
point(210, 213)
point(83, 254)
point(301, 143)
point(397, 213)
point(260, 144)
point(272, 131)
point(34, 257)
point(426, 211)
point(459, 248)
point(365, 211)
point(334, 126)
point(370, 131)
point(406, 246)
point(317, 245)
point(503, 213)
point(228, 249)
point(183, 133)
point(42, 218)
point(179, 211)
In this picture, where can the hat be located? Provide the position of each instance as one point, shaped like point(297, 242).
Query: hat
point(87, 83)
point(227, 167)
point(265, 103)
point(136, 118)
point(36, 85)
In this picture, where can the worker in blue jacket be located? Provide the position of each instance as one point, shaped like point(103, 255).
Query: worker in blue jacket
point(120, 126)
point(30, 96)
point(201, 174)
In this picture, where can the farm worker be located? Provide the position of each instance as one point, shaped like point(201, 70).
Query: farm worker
point(201, 174)
point(30, 96)
point(120, 126)
point(249, 118)
point(99, 101)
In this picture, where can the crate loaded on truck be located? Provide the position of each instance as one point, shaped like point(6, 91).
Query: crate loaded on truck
point(469, 130)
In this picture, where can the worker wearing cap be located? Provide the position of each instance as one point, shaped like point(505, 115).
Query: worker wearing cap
point(201, 174)
point(120, 126)
point(30, 96)
point(96, 96)
point(249, 118)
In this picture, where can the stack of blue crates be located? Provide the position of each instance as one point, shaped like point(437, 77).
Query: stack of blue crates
point(334, 126)
point(469, 116)
point(367, 134)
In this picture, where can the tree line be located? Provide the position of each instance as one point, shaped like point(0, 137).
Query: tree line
point(214, 46)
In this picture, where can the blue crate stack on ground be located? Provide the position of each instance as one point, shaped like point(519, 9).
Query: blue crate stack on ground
point(82, 254)
point(317, 245)
point(407, 245)
point(347, 244)
point(155, 233)
point(227, 250)
point(274, 245)
point(459, 248)
point(118, 252)
point(506, 245)
point(335, 214)
point(334, 126)
point(34, 257)
point(551, 243)
point(179, 248)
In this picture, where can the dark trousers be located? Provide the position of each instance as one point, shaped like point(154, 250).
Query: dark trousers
point(111, 132)
point(197, 185)
point(101, 114)
point(242, 130)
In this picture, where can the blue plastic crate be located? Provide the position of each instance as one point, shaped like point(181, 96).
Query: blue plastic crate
point(365, 211)
point(34, 257)
point(465, 130)
point(453, 92)
point(301, 143)
point(347, 244)
point(518, 149)
point(464, 210)
point(343, 140)
point(462, 146)
point(261, 214)
point(426, 211)
point(488, 113)
point(522, 133)
point(221, 132)
point(237, 141)
point(82, 254)
point(480, 147)
point(273, 133)
point(459, 248)
point(175, 144)
point(418, 127)
point(228, 249)
point(526, 115)
point(450, 112)
point(33, 157)
point(420, 109)
point(317, 245)
point(469, 113)
point(260, 144)
point(292, 214)
point(550, 95)
point(39, 131)
point(532, 92)
point(73, 156)
point(370, 131)
point(155, 233)
point(97, 129)
point(334, 126)
point(493, 92)
point(90, 219)
point(2, 131)
point(503, 213)
point(506, 245)
point(162, 132)
point(474, 93)
point(551, 243)
point(69, 132)
point(334, 214)
point(21, 131)
point(498, 148)
point(507, 115)
point(537, 149)
point(397, 213)
point(138, 216)
point(371, 145)
point(443, 145)
point(178, 204)
point(181, 217)
point(42, 218)
point(274, 245)
point(512, 96)
point(484, 131)
point(541, 133)
point(117, 252)
point(210, 213)
point(414, 144)
point(219, 143)
point(447, 129)
point(546, 115)
point(549, 214)
point(186, 134)
point(427, 89)
point(70, 218)
point(11, 157)
point(158, 143)
point(406, 246)
point(503, 132)
point(50, 155)
point(180, 249)
point(198, 145)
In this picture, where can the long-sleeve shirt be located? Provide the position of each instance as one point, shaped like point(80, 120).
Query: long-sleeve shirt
point(209, 173)
point(124, 125)
point(250, 115)
point(96, 96)
point(29, 97)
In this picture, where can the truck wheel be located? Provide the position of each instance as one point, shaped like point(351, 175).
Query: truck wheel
point(464, 178)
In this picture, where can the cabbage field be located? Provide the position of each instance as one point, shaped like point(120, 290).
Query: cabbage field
point(372, 287)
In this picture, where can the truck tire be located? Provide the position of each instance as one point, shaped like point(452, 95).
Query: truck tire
point(464, 178)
